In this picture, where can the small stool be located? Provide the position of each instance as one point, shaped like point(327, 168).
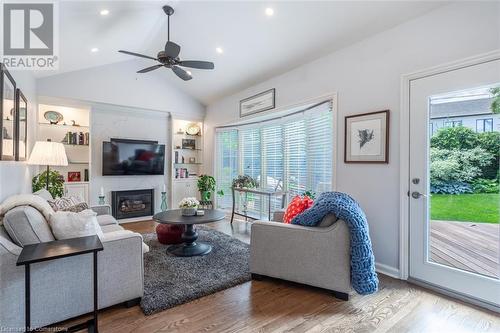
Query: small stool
point(169, 234)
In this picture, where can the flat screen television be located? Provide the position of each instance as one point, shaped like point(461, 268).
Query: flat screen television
point(131, 157)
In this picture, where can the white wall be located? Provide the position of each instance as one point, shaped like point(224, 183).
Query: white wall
point(15, 177)
point(118, 84)
point(108, 122)
point(367, 78)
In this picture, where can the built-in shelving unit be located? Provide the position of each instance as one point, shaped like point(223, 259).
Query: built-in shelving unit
point(187, 159)
point(77, 145)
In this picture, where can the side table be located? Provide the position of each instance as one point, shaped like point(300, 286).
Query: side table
point(54, 250)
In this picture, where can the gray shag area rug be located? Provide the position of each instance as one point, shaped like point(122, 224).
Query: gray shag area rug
point(170, 281)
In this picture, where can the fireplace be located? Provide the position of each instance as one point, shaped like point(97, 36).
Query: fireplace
point(132, 203)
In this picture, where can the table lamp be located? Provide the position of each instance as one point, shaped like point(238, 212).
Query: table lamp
point(48, 153)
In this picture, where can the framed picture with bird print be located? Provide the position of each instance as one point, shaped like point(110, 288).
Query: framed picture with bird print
point(366, 138)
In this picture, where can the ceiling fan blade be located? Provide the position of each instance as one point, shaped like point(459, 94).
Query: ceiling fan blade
point(137, 55)
point(172, 50)
point(197, 64)
point(149, 69)
point(181, 73)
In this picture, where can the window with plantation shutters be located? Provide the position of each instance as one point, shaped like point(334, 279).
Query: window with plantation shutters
point(227, 164)
point(296, 157)
point(251, 165)
point(293, 152)
point(272, 161)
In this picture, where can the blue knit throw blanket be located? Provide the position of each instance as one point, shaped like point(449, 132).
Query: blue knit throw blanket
point(363, 277)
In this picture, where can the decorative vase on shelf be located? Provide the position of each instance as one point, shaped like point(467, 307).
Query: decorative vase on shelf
point(189, 211)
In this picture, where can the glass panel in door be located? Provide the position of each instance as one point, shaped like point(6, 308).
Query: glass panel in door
point(464, 230)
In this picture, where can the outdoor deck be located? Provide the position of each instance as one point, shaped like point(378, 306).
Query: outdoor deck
point(473, 247)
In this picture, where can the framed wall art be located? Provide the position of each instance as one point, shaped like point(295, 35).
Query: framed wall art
point(367, 138)
point(21, 126)
point(7, 114)
point(258, 103)
point(74, 176)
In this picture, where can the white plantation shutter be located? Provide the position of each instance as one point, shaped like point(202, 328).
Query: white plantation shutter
point(250, 152)
point(294, 153)
point(320, 151)
point(296, 157)
point(251, 165)
point(273, 163)
point(227, 164)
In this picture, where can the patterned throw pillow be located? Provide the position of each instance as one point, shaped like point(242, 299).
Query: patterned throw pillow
point(297, 206)
point(68, 204)
point(80, 207)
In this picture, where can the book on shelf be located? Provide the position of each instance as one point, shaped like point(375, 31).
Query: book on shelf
point(77, 138)
point(181, 173)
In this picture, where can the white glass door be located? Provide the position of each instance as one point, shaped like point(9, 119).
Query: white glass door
point(454, 199)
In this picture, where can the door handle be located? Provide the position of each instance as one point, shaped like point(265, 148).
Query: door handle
point(417, 195)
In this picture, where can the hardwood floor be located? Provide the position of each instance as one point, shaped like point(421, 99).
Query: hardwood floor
point(278, 306)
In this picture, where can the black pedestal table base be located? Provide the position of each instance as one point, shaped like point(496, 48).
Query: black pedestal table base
point(190, 247)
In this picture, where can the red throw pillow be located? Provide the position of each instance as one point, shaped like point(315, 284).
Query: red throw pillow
point(296, 206)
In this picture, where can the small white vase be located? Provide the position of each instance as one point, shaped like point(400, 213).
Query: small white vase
point(188, 211)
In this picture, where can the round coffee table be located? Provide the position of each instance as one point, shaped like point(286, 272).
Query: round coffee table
point(190, 247)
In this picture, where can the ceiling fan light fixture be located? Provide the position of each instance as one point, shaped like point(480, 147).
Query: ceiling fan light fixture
point(169, 56)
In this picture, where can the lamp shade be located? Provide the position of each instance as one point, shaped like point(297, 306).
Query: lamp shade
point(48, 153)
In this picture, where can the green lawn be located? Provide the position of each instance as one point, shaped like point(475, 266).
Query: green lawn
point(482, 208)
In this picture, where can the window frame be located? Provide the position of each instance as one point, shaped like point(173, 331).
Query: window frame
point(483, 121)
point(332, 97)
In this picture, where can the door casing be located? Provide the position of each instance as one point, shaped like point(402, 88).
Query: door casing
point(404, 137)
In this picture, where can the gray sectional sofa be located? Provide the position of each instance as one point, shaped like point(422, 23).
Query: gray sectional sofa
point(317, 256)
point(62, 289)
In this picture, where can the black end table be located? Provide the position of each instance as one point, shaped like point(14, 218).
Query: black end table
point(34, 253)
point(190, 248)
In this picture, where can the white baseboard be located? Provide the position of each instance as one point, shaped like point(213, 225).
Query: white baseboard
point(387, 270)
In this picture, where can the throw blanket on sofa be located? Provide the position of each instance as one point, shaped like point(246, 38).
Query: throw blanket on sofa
point(363, 277)
point(32, 200)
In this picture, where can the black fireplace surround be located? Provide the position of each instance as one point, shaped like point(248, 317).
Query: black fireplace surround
point(132, 203)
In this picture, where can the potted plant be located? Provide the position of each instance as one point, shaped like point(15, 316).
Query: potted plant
point(56, 183)
point(189, 206)
point(206, 185)
point(245, 181)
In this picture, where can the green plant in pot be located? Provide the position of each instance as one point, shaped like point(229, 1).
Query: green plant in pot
point(245, 181)
point(56, 183)
point(206, 185)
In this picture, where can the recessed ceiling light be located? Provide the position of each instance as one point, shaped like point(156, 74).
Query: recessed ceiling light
point(219, 50)
point(269, 11)
point(104, 12)
point(94, 50)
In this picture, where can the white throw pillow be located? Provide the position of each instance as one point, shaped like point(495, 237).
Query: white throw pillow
point(71, 225)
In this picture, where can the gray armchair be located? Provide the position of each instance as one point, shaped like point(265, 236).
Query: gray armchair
point(316, 256)
point(61, 289)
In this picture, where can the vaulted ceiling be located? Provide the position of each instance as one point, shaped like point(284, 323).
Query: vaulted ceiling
point(255, 46)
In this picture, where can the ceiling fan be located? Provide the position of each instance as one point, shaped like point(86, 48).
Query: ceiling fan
point(169, 57)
